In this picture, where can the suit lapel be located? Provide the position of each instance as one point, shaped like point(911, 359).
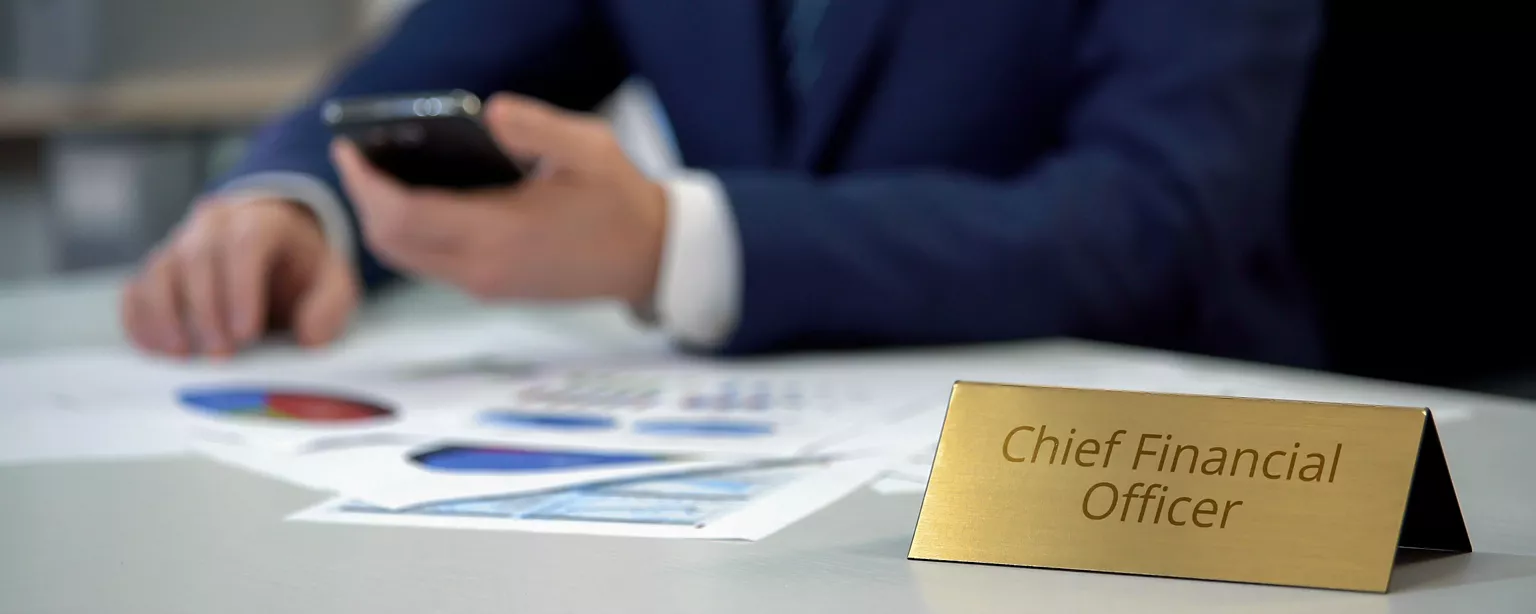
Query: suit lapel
point(850, 36)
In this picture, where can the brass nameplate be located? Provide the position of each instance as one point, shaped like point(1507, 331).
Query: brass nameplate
point(1246, 490)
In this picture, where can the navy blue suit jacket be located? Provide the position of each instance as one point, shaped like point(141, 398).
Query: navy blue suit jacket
point(962, 170)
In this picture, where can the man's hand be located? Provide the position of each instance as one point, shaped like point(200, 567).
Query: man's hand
point(586, 224)
point(231, 271)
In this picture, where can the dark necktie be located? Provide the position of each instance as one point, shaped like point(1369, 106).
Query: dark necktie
point(799, 20)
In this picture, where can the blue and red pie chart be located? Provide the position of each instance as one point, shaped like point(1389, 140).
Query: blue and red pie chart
point(283, 405)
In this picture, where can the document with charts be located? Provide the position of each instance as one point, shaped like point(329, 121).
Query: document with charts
point(748, 504)
point(115, 403)
point(396, 472)
point(705, 410)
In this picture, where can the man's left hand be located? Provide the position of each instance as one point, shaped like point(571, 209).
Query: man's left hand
point(585, 224)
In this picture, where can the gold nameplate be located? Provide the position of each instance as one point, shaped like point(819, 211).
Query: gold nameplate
point(1245, 490)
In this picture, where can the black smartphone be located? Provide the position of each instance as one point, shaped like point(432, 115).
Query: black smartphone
point(429, 139)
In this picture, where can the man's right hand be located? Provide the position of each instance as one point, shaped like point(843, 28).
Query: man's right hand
point(231, 272)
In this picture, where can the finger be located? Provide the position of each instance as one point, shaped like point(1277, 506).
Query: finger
point(151, 308)
point(528, 128)
point(324, 310)
point(135, 318)
point(247, 267)
point(394, 215)
point(364, 182)
point(160, 295)
point(377, 197)
point(201, 291)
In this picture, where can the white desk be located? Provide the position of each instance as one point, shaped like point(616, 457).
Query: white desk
point(185, 535)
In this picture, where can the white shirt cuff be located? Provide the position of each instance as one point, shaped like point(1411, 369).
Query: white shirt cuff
point(698, 289)
point(300, 188)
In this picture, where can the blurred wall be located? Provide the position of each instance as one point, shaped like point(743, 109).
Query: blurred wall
point(170, 87)
point(7, 42)
point(147, 36)
point(83, 40)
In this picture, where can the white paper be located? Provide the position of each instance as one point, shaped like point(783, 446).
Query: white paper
point(51, 434)
point(112, 405)
point(908, 474)
point(390, 473)
point(84, 381)
point(906, 440)
point(706, 410)
point(296, 468)
point(395, 475)
point(896, 485)
point(85, 406)
point(738, 505)
point(443, 356)
point(403, 394)
point(917, 466)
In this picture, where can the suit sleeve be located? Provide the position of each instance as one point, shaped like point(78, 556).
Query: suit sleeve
point(1169, 177)
point(557, 51)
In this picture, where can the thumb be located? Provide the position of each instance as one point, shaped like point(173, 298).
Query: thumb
point(532, 129)
point(325, 308)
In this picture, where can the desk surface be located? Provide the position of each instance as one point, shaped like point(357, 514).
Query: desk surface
point(185, 535)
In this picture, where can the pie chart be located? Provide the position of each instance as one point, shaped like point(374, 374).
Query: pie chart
point(283, 406)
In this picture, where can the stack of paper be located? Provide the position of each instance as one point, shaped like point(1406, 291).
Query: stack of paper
point(440, 428)
point(116, 403)
point(743, 504)
point(683, 450)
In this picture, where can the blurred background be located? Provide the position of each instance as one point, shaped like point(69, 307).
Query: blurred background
point(1410, 193)
point(113, 113)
